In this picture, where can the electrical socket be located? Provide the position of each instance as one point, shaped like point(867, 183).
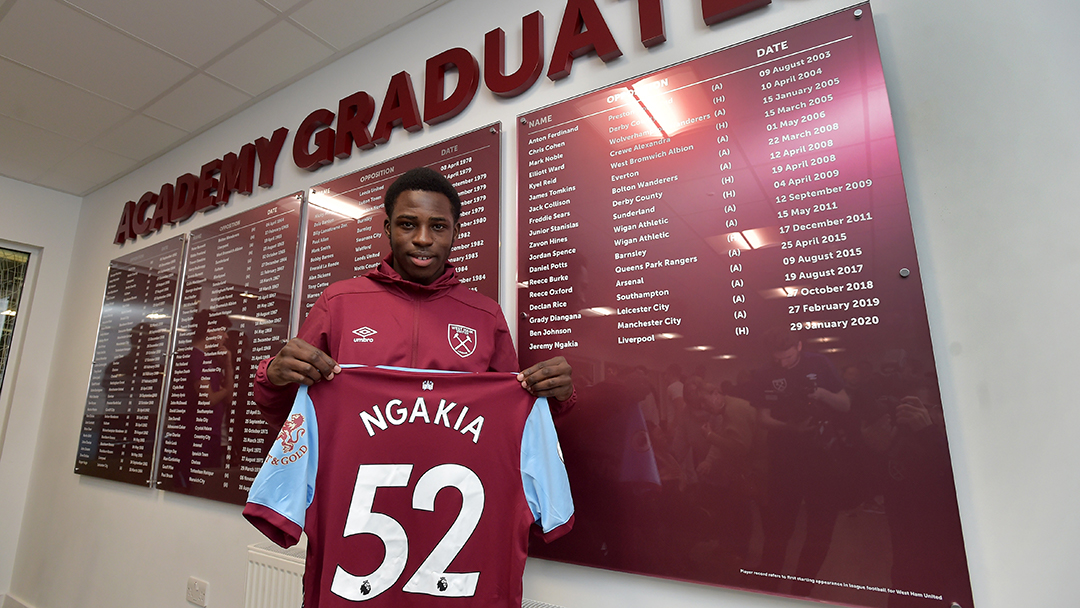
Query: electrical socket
point(196, 591)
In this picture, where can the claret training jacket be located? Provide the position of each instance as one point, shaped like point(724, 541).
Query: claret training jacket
point(382, 319)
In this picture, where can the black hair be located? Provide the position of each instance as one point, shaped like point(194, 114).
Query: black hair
point(204, 320)
point(426, 180)
point(779, 339)
point(200, 325)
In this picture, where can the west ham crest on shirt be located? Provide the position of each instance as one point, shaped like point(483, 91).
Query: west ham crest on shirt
point(780, 384)
point(462, 339)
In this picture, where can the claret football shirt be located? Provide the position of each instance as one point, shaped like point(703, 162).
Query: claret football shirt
point(415, 488)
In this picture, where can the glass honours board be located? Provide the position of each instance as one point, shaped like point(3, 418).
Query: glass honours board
point(345, 220)
point(235, 307)
point(120, 423)
point(723, 251)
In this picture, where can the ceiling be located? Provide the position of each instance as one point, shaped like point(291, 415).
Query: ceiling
point(91, 90)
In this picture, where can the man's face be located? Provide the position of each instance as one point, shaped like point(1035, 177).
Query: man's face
point(789, 358)
point(421, 233)
point(715, 400)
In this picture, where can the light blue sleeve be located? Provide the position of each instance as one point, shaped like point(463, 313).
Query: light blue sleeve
point(286, 481)
point(543, 474)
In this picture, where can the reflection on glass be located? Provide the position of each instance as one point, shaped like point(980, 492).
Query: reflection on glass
point(715, 248)
point(119, 438)
point(786, 472)
point(207, 388)
point(234, 311)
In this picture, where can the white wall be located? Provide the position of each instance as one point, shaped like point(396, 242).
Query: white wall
point(41, 222)
point(985, 101)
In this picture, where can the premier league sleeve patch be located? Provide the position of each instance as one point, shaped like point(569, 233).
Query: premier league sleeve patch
point(462, 339)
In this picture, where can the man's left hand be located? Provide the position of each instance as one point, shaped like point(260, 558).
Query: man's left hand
point(549, 378)
point(912, 414)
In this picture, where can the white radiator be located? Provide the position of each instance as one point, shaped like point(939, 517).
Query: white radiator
point(275, 576)
point(527, 603)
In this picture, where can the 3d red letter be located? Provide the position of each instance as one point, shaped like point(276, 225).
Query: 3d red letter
point(436, 108)
point(583, 30)
point(532, 58)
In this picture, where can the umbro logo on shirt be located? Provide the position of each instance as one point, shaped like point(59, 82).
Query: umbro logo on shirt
point(364, 334)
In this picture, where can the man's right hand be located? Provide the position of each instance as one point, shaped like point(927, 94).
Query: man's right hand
point(302, 363)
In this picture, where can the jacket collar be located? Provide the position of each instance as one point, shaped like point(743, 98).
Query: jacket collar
point(385, 274)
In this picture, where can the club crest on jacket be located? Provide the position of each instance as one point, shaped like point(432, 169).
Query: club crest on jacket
point(462, 339)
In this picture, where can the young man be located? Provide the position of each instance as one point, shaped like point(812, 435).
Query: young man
point(410, 312)
point(803, 405)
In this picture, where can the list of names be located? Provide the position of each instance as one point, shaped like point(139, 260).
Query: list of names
point(235, 308)
point(345, 220)
point(681, 214)
point(119, 430)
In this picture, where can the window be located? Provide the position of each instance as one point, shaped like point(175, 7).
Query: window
point(13, 266)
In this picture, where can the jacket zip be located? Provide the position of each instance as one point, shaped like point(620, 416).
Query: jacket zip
point(416, 332)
